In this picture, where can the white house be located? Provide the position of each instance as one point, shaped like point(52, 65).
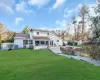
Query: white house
point(38, 38)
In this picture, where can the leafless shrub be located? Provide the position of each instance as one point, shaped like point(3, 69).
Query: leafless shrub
point(93, 49)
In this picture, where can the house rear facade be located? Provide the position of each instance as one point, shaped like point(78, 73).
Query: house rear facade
point(38, 38)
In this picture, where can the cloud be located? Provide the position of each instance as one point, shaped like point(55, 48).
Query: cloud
point(6, 8)
point(22, 7)
point(91, 9)
point(58, 4)
point(61, 23)
point(18, 20)
point(9, 3)
point(70, 12)
point(64, 25)
point(38, 3)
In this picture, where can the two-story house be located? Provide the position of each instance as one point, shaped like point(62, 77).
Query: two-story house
point(38, 38)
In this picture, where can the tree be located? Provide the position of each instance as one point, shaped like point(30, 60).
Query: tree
point(10, 37)
point(74, 21)
point(93, 47)
point(0, 41)
point(95, 26)
point(2, 32)
point(83, 14)
point(5, 34)
point(78, 34)
point(63, 35)
point(26, 30)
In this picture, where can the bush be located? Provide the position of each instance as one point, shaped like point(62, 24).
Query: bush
point(93, 49)
point(71, 43)
point(64, 44)
point(68, 51)
point(10, 46)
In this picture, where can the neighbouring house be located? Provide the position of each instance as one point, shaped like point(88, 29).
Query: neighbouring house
point(38, 38)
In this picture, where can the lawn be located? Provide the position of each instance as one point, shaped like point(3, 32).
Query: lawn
point(44, 65)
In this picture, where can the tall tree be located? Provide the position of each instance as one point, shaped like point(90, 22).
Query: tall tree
point(74, 21)
point(78, 31)
point(2, 33)
point(95, 26)
point(0, 36)
point(26, 30)
point(63, 35)
point(83, 14)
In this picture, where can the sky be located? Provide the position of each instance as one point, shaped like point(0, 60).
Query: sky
point(43, 14)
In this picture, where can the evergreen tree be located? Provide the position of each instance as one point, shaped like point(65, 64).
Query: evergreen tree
point(95, 26)
point(26, 30)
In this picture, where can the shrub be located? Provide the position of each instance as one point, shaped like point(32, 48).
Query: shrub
point(64, 44)
point(71, 43)
point(68, 51)
point(10, 46)
point(93, 49)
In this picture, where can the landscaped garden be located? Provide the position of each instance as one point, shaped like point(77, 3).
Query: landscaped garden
point(25, 64)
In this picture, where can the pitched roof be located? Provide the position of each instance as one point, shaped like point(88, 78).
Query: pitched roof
point(21, 35)
point(34, 29)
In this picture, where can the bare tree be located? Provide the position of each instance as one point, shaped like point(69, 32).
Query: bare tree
point(83, 13)
point(63, 35)
point(74, 21)
point(78, 34)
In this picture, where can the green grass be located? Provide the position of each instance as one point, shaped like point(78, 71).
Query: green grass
point(44, 65)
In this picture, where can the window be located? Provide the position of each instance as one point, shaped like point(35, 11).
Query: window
point(30, 41)
point(47, 33)
point(37, 33)
point(57, 40)
point(42, 42)
point(25, 42)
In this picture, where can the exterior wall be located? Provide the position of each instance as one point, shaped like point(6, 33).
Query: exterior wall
point(40, 47)
point(4, 46)
point(40, 33)
point(18, 42)
point(56, 39)
point(52, 37)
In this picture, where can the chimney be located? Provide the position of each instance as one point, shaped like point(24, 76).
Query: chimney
point(31, 33)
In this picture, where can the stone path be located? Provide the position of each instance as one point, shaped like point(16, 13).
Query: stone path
point(57, 51)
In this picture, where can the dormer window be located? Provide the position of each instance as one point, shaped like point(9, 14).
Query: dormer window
point(47, 33)
point(37, 33)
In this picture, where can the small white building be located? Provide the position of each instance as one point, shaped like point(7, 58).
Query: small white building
point(38, 38)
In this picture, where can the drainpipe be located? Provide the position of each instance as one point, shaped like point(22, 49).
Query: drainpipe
point(31, 34)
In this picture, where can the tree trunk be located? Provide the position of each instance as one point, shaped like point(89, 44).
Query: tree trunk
point(83, 27)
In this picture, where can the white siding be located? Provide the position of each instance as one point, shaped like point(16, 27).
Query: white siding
point(40, 47)
point(40, 33)
point(5, 46)
point(18, 42)
point(55, 39)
